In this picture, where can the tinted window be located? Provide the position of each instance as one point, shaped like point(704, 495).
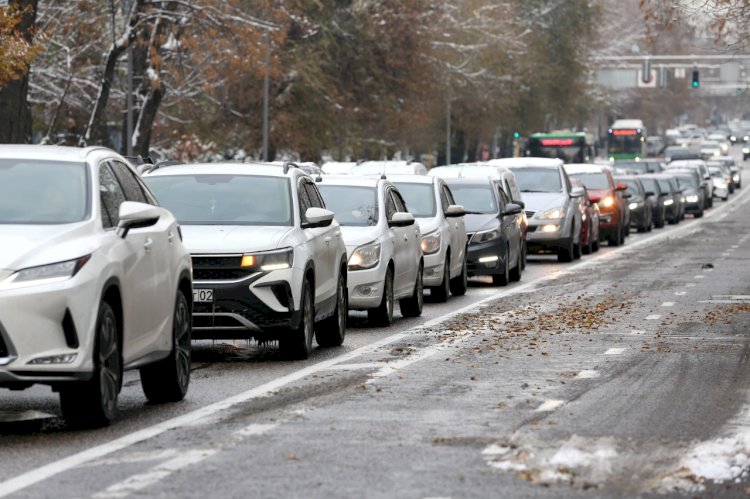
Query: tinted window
point(399, 201)
point(224, 199)
point(43, 192)
point(420, 198)
point(111, 195)
point(475, 198)
point(304, 201)
point(593, 180)
point(128, 182)
point(390, 206)
point(356, 206)
point(312, 193)
point(537, 179)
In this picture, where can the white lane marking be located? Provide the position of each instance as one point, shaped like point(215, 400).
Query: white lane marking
point(44, 472)
point(638, 331)
point(587, 374)
point(135, 457)
point(680, 293)
point(668, 304)
point(690, 285)
point(550, 405)
point(735, 246)
point(144, 480)
point(614, 351)
point(700, 277)
point(355, 366)
point(653, 317)
point(731, 297)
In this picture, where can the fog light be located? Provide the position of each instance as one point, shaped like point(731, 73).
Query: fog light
point(364, 290)
point(67, 358)
point(549, 228)
point(633, 206)
point(489, 259)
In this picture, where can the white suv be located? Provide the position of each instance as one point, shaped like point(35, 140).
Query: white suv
point(94, 279)
point(444, 240)
point(383, 243)
point(268, 258)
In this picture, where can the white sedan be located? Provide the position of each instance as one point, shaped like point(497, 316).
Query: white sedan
point(94, 280)
point(383, 244)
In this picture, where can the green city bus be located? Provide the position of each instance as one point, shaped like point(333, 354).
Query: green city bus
point(626, 139)
point(571, 147)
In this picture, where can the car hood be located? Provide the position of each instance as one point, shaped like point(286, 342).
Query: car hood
point(427, 225)
point(357, 236)
point(480, 222)
point(201, 239)
point(31, 245)
point(540, 201)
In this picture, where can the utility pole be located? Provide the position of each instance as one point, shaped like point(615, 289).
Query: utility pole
point(129, 100)
point(267, 57)
point(448, 134)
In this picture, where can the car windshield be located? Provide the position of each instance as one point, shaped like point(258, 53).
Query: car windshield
point(420, 198)
point(686, 181)
point(716, 172)
point(353, 205)
point(664, 185)
point(538, 179)
point(224, 199)
point(593, 180)
point(43, 192)
point(639, 166)
point(633, 188)
point(475, 198)
point(651, 184)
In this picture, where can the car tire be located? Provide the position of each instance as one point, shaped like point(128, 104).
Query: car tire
point(577, 251)
point(297, 344)
point(331, 331)
point(616, 239)
point(595, 245)
point(168, 379)
point(566, 254)
point(699, 214)
point(383, 315)
point(516, 272)
point(502, 280)
point(588, 248)
point(525, 255)
point(93, 403)
point(440, 293)
point(412, 306)
point(460, 283)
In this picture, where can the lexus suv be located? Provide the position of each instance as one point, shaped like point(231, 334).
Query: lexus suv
point(94, 280)
point(383, 244)
point(269, 261)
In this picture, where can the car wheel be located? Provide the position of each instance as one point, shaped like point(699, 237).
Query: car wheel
point(699, 214)
point(502, 280)
point(297, 344)
point(566, 254)
point(525, 256)
point(515, 272)
point(93, 403)
point(577, 251)
point(616, 240)
point(440, 293)
point(167, 380)
point(412, 306)
point(460, 283)
point(331, 331)
point(383, 315)
point(595, 246)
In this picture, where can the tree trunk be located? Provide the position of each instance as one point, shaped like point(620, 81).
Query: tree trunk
point(142, 138)
point(15, 111)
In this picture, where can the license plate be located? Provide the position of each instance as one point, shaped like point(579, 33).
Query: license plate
point(203, 295)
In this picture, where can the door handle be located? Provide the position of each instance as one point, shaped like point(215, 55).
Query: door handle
point(148, 244)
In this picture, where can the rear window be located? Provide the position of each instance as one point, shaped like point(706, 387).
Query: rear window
point(353, 205)
point(537, 179)
point(420, 198)
point(593, 180)
point(475, 198)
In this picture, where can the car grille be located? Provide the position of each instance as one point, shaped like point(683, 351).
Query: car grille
point(530, 214)
point(4, 352)
point(218, 268)
point(470, 236)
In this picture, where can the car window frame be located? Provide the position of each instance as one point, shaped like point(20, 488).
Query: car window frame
point(114, 221)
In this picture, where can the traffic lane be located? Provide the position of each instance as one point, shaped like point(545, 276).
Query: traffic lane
point(520, 379)
point(233, 368)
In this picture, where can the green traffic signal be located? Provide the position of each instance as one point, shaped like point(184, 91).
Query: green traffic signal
point(696, 79)
point(516, 135)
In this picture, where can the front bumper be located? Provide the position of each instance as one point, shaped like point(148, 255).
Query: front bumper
point(638, 216)
point(537, 238)
point(487, 258)
point(264, 304)
point(366, 287)
point(434, 268)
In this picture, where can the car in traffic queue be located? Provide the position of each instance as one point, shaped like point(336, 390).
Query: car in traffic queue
point(689, 182)
point(701, 167)
point(729, 162)
point(444, 241)
point(590, 221)
point(650, 165)
point(613, 210)
point(493, 227)
point(720, 180)
point(551, 205)
point(388, 168)
point(657, 200)
point(641, 209)
point(674, 206)
point(94, 280)
point(383, 245)
point(503, 176)
point(269, 261)
point(710, 149)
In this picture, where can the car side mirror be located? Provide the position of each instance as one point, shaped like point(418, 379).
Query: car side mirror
point(577, 192)
point(512, 209)
point(520, 203)
point(626, 195)
point(649, 193)
point(455, 211)
point(594, 198)
point(317, 217)
point(663, 194)
point(134, 215)
point(621, 186)
point(401, 219)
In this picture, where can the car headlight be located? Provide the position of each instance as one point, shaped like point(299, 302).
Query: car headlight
point(607, 202)
point(551, 214)
point(366, 256)
point(431, 242)
point(633, 206)
point(746, 138)
point(483, 237)
point(692, 198)
point(45, 274)
point(735, 178)
point(746, 150)
point(669, 202)
point(268, 261)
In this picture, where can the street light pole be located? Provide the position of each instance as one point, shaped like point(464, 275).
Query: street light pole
point(448, 134)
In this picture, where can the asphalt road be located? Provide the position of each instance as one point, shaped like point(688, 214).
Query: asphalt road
point(620, 374)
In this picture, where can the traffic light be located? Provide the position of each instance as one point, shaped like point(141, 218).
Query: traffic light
point(516, 135)
point(696, 79)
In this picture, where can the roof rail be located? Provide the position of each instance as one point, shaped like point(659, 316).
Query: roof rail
point(140, 160)
point(289, 164)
